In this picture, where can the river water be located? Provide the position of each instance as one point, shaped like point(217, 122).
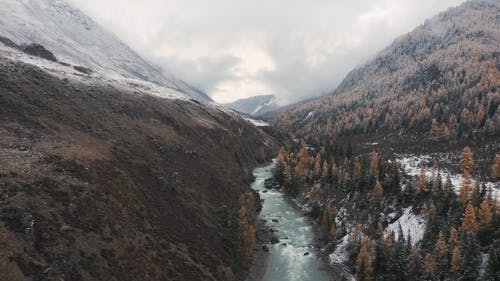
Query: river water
point(297, 260)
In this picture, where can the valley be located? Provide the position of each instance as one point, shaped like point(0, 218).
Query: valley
point(113, 169)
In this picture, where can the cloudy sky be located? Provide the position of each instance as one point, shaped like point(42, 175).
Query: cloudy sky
point(238, 48)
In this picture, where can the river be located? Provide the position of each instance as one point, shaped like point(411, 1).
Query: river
point(296, 260)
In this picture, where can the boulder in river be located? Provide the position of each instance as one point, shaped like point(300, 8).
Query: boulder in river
point(307, 254)
point(271, 183)
point(276, 220)
point(274, 240)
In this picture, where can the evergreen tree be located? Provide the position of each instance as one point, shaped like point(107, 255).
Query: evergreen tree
point(325, 172)
point(453, 240)
point(364, 270)
point(430, 267)
point(374, 164)
point(495, 169)
point(493, 267)
point(484, 214)
point(356, 174)
point(280, 168)
point(423, 182)
point(465, 189)
point(441, 255)
point(471, 259)
point(377, 196)
point(435, 132)
point(455, 264)
point(469, 222)
point(414, 265)
point(467, 162)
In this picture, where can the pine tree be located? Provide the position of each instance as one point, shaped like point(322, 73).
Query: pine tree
point(334, 169)
point(414, 265)
point(467, 162)
point(377, 196)
point(325, 169)
point(422, 182)
point(356, 174)
point(452, 126)
point(280, 168)
point(495, 169)
point(364, 270)
point(469, 222)
point(429, 267)
point(354, 244)
point(471, 259)
point(441, 255)
point(465, 190)
point(302, 168)
point(317, 165)
point(484, 214)
point(455, 264)
point(453, 240)
point(434, 134)
point(374, 169)
point(493, 267)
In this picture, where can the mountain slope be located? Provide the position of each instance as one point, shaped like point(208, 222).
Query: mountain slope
point(102, 183)
point(447, 70)
point(76, 39)
point(400, 165)
point(254, 105)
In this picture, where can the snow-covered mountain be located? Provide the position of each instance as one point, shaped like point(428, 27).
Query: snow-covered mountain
point(76, 39)
point(254, 105)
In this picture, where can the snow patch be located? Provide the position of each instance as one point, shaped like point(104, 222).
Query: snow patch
point(257, 123)
point(412, 165)
point(410, 224)
point(340, 256)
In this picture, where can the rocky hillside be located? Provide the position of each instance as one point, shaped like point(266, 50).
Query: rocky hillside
point(101, 182)
point(440, 82)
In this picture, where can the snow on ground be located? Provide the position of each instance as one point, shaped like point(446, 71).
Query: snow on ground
point(76, 39)
point(410, 223)
point(257, 123)
point(340, 254)
point(63, 71)
point(412, 164)
point(484, 263)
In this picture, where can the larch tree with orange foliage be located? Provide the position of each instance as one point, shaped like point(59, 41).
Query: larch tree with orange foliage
point(453, 240)
point(455, 263)
point(430, 266)
point(465, 191)
point(302, 169)
point(377, 196)
point(495, 169)
point(469, 221)
point(485, 214)
point(364, 269)
point(467, 161)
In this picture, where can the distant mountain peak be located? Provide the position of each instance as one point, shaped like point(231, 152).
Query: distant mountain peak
point(254, 105)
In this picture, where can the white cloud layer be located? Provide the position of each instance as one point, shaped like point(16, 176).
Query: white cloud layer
point(237, 48)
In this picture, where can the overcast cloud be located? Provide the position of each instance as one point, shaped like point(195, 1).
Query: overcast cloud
point(238, 48)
